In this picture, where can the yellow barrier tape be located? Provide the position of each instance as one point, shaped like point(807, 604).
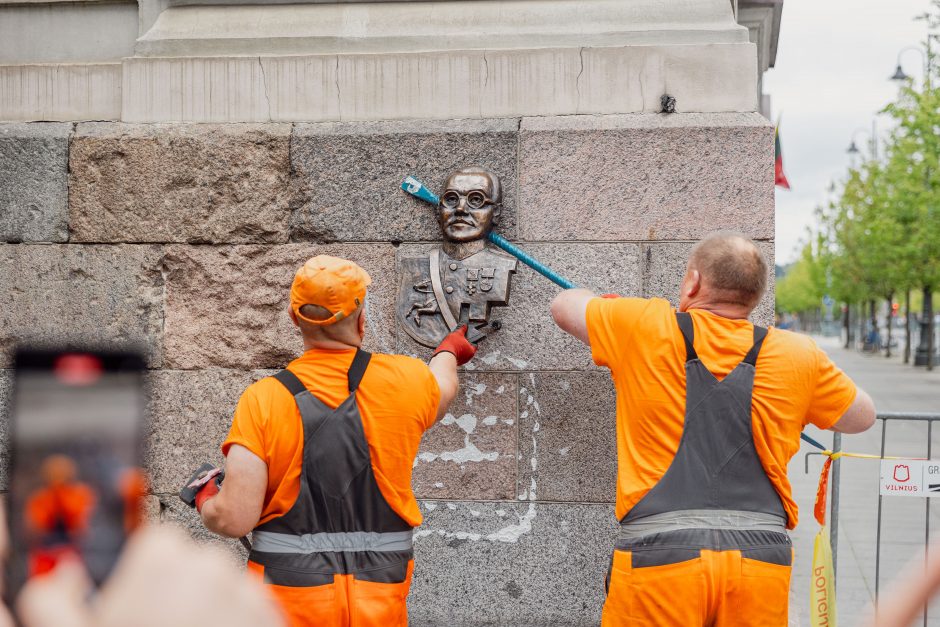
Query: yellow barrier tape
point(822, 590)
point(822, 602)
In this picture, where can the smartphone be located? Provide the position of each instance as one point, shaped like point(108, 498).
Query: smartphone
point(77, 420)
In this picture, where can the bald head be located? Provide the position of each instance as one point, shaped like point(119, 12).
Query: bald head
point(732, 269)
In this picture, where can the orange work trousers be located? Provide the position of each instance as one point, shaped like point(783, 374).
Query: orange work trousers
point(717, 589)
point(347, 602)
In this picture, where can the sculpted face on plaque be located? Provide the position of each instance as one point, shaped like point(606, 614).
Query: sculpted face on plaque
point(458, 282)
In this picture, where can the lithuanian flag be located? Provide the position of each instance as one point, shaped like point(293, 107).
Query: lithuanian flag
point(780, 179)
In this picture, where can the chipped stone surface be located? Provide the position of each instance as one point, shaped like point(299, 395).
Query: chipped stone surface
point(6, 388)
point(227, 306)
point(567, 437)
point(34, 182)
point(529, 339)
point(471, 452)
point(190, 415)
point(351, 172)
point(511, 563)
point(180, 183)
point(645, 177)
point(666, 264)
point(55, 294)
point(174, 512)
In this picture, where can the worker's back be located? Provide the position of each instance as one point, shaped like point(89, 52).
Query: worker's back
point(641, 343)
point(397, 399)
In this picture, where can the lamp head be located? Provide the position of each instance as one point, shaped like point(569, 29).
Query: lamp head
point(899, 74)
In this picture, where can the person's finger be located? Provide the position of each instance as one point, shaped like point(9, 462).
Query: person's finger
point(56, 599)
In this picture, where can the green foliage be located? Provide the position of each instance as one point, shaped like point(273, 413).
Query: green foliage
point(799, 290)
point(882, 235)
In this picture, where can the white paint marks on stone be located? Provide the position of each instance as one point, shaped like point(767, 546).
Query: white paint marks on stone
point(512, 533)
point(509, 421)
point(430, 506)
point(438, 485)
point(451, 506)
point(469, 452)
point(467, 422)
point(564, 450)
point(474, 390)
point(501, 513)
point(518, 363)
point(474, 513)
point(490, 359)
point(489, 421)
point(501, 389)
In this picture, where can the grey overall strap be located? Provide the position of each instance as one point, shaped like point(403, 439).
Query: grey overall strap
point(716, 467)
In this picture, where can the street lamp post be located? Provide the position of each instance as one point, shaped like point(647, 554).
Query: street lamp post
point(868, 340)
point(925, 348)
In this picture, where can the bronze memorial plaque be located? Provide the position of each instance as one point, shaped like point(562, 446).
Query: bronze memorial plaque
point(459, 281)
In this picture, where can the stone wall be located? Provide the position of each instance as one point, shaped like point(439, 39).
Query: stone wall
point(183, 239)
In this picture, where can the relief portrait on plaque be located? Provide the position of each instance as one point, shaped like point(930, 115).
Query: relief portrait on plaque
point(461, 280)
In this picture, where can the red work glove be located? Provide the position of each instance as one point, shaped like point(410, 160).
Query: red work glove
point(207, 492)
point(205, 483)
point(457, 345)
point(610, 295)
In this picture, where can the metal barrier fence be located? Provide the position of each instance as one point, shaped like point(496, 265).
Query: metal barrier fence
point(885, 418)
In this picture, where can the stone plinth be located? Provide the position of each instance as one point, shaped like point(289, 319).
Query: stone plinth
point(33, 182)
point(184, 239)
point(263, 62)
point(153, 183)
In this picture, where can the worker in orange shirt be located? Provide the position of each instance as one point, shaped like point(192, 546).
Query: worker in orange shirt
point(319, 459)
point(57, 514)
point(709, 411)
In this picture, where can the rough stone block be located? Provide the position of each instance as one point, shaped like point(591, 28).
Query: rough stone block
point(665, 268)
point(529, 339)
point(567, 437)
point(6, 387)
point(351, 173)
point(108, 295)
point(34, 182)
point(645, 177)
point(190, 415)
point(175, 512)
point(471, 452)
point(180, 183)
point(227, 306)
point(511, 564)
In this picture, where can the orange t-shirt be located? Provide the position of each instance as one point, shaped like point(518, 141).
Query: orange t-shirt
point(795, 384)
point(397, 399)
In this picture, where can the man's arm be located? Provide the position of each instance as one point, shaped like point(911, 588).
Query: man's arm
point(444, 368)
point(569, 310)
point(860, 415)
point(236, 509)
point(455, 350)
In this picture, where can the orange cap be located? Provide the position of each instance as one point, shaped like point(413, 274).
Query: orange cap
point(335, 284)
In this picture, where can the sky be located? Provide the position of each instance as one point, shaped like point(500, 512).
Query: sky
point(834, 58)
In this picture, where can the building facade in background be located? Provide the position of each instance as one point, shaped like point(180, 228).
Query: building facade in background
point(165, 166)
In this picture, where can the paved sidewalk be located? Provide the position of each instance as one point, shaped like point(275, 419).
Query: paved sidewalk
point(894, 387)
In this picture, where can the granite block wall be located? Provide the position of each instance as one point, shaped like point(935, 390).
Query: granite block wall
point(183, 240)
